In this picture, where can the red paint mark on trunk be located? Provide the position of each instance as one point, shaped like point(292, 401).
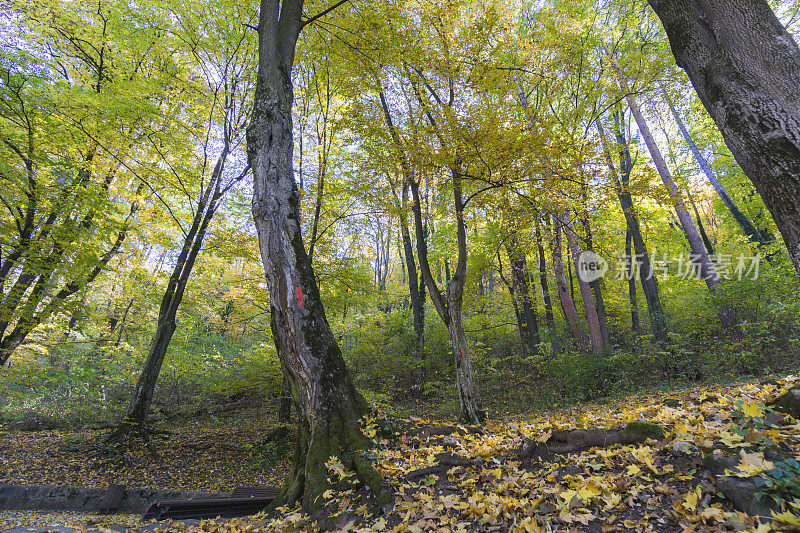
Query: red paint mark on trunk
point(298, 295)
point(462, 352)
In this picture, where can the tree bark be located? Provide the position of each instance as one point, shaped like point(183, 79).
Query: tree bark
point(564, 295)
point(449, 309)
point(328, 405)
point(528, 322)
point(595, 335)
point(548, 306)
point(597, 287)
point(745, 67)
point(635, 325)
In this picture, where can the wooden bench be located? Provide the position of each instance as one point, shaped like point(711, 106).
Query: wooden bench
point(243, 501)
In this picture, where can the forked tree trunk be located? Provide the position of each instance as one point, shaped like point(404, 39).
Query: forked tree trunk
point(658, 318)
point(328, 405)
point(564, 295)
point(595, 334)
point(745, 67)
point(449, 309)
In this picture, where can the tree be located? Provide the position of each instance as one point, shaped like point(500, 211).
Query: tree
point(658, 318)
point(700, 256)
point(222, 55)
point(71, 113)
point(595, 333)
point(747, 227)
point(328, 405)
point(745, 67)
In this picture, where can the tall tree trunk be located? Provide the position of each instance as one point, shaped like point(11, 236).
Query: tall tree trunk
point(564, 295)
point(700, 226)
point(415, 288)
point(747, 227)
point(135, 419)
point(635, 325)
point(528, 322)
point(658, 318)
point(548, 306)
point(707, 271)
point(595, 335)
point(328, 405)
point(745, 67)
point(449, 309)
point(597, 287)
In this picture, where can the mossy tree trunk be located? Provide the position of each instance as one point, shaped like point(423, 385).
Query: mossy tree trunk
point(328, 405)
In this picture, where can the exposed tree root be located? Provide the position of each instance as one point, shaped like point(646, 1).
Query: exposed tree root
point(577, 440)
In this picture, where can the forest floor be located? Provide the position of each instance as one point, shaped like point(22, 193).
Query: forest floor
point(721, 446)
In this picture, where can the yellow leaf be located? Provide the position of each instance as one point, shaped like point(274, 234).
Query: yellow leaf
point(753, 410)
point(753, 464)
point(787, 518)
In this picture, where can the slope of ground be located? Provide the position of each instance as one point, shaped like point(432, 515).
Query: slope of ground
point(721, 446)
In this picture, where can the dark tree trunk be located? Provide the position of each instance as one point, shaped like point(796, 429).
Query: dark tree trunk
point(527, 320)
point(635, 325)
point(328, 405)
point(548, 305)
point(700, 226)
point(415, 288)
point(135, 420)
point(745, 67)
point(747, 227)
point(658, 318)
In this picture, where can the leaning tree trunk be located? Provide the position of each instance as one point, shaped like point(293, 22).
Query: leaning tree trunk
point(658, 318)
point(135, 420)
point(745, 67)
point(702, 261)
point(564, 295)
point(328, 405)
point(595, 334)
point(747, 227)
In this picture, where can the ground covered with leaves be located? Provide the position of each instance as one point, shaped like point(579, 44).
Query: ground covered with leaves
point(719, 458)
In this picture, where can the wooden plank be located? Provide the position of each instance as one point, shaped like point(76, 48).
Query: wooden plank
point(255, 492)
point(206, 508)
point(112, 498)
